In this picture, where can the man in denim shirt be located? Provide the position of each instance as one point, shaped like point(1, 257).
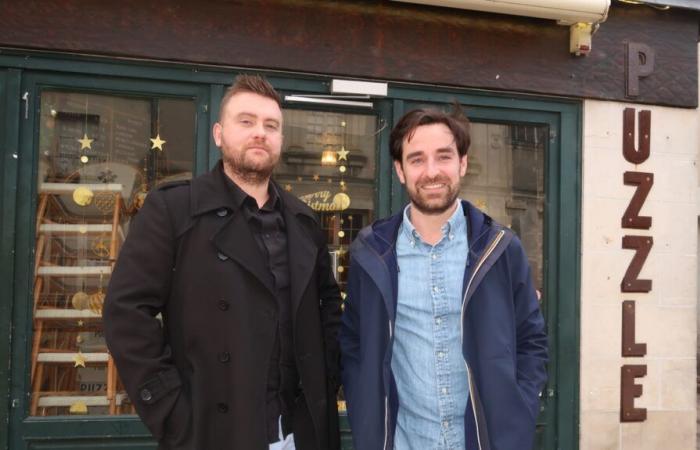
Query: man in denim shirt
point(443, 342)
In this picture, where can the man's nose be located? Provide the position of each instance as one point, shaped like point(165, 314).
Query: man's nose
point(431, 168)
point(259, 131)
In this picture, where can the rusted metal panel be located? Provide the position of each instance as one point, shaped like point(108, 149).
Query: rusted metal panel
point(369, 39)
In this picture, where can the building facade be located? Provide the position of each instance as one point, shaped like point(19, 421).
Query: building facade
point(590, 158)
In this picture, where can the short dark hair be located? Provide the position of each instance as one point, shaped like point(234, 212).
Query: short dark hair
point(256, 84)
point(456, 121)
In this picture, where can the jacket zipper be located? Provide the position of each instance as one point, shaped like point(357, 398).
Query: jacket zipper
point(483, 258)
point(386, 401)
point(391, 336)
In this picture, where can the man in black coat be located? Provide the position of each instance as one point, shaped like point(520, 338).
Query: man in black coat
point(246, 355)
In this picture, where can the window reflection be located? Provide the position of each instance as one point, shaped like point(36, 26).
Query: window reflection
point(328, 161)
point(99, 155)
point(505, 179)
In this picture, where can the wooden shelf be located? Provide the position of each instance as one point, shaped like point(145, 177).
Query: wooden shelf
point(67, 314)
point(51, 401)
point(68, 188)
point(69, 357)
point(73, 271)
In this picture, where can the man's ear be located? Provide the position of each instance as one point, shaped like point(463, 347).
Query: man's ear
point(463, 166)
point(399, 171)
point(216, 132)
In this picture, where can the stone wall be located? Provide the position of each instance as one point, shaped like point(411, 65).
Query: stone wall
point(665, 316)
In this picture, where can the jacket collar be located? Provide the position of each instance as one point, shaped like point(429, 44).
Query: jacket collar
point(385, 231)
point(375, 249)
point(234, 239)
point(211, 192)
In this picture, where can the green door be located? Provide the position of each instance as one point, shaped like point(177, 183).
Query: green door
point(90, 150)
point(524, 172)
point(83, 142)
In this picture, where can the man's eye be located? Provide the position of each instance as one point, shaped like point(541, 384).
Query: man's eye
point(246, 122)
point(272, 126)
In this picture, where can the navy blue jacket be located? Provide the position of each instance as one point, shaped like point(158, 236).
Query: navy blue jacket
point(503, 337)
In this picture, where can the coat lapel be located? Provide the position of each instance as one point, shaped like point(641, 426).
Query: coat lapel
point(301, 251)
point(235, 240)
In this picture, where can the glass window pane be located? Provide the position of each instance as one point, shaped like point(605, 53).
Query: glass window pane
point(99, 157)
point(505, 179)
point(328, 161)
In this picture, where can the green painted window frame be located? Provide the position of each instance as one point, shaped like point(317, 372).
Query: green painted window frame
point(561, 229)
point(18, 72)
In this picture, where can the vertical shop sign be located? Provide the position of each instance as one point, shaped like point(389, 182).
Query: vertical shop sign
point(631, 283)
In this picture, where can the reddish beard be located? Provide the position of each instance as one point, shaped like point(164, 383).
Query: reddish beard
point(252, 171)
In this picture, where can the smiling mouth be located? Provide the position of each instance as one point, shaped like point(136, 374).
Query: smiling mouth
point(433, 186)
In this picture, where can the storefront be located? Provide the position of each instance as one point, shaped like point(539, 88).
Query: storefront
point(101, 103)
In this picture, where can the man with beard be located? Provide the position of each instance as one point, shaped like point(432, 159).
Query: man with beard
point(442, 340)
point(246, 354)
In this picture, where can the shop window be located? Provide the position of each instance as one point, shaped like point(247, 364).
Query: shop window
point(328, 161)
point(99, 155)
point(505, 179)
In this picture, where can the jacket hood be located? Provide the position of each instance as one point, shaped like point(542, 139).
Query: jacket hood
point(381, 235)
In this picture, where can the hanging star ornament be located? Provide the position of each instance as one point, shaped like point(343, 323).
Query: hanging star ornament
point(342, 154)
point(316, 177)
point(157, 143)
point(79, 360)
point(85, 142)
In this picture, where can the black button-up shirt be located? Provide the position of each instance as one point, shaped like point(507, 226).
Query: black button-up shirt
point(268, 228)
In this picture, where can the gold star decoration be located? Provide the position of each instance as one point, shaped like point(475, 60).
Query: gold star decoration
point(316, 177)
point(342, 154)
point(288, 187)
point(330, 181)
point(85, 142)
point(343, 188)
point(157, 143)
point(78, 408)
point(79, 360)
point(300, 179)
point(81, 323)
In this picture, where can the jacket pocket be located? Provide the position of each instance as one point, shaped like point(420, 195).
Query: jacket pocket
point(178, 424)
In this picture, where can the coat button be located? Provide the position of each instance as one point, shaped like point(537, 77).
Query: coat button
point(221, 256)
point(223, 212)
point(223, 305)
point(224, 357)
point(146, 395)
point(222, 408)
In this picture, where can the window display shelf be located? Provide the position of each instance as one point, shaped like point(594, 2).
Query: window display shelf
point(69, 357)
point(53, 401)
point(66, 314)
point(78, 271)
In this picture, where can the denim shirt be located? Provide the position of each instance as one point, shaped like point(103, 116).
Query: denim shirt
point(427, 362)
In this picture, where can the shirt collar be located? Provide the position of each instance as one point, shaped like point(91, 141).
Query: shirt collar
point(241, 199)
point(455, 224)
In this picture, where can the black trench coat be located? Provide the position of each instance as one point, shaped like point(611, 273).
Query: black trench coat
point(199, 380)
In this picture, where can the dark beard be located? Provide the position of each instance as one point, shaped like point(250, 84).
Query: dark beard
point(434, 207)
